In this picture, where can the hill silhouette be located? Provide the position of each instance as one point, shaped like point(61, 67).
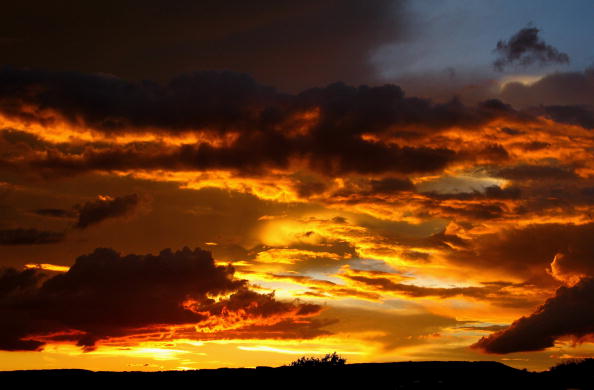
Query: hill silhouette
point(401, 375)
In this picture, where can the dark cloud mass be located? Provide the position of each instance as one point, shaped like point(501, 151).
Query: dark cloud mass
point(54, 213)
point(91, 213)
point(282, 42)
point(267, 128)
point(536, 172)
point(568, 313)
point(222, 101)
point(530, 250)
point(105, 294)
point(390, 185)
point(526, 48)
point(12, 280)
point(87, 214)
point(22, 236)
point(580, 115)
point(555, 89)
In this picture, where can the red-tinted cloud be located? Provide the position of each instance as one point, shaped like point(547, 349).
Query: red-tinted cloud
point(567, 314)
point(267, 129)
point(91, 213)
point(21, 236)
point(107, 295)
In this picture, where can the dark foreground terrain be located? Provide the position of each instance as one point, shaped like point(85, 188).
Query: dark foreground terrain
point(405, 375)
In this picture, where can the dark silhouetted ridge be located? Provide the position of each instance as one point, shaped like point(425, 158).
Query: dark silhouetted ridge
point(402, 375)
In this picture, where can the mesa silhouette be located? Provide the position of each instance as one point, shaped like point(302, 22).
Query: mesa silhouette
point(401, 375)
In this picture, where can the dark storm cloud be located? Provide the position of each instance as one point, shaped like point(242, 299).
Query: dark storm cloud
point(574, 260)
point(87, 214)
point(252, 155)
point(496, 192)
point(568, 313)
point(475, 205)
point(536, 172)
point(529, 251)
point(198, 100)
point(15, 287)
point(258, 305)
point(263, 121)
point(16, 137)
point(391, 185)
point(91, 213)
point(224, 101)
point(54, 213)
point(526, 48)
point(22, 236)
point(285, 43)
point(574, 115)
point(556, 89)
point(105, 294)
point(13, 281)
point(468, 84)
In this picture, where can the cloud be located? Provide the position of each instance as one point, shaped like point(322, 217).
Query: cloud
point(580, 115)
point(567, 314)
point(389, 330)
point(282, 329)
point(325, 288)
point(470, 84)
point(473, 212)
point(574, 261)
point(536, 172)
point(252, 155)
point(555, 89)
point(223, 101)
point(391, 185)
point(87, 214)
point(281, 42)
point(12, 280)
point(490, 192)
point(528, 251)
point(234, 123)
point(54, 213)
point(106, 295)
point(377, 281)
point(525, 48)
point(21, 236)
point(91, 213)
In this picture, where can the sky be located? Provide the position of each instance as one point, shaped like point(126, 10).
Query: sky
point(212, 184)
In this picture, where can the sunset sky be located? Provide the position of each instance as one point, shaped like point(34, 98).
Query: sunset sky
point(200, 184)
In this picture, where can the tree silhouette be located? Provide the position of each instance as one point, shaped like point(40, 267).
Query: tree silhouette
point(330, 360)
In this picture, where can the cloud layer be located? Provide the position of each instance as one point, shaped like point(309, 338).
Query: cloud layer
point(567, 314)
point(336, 193)
point(285, 44)
point(91, 213)
point(106, 295)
